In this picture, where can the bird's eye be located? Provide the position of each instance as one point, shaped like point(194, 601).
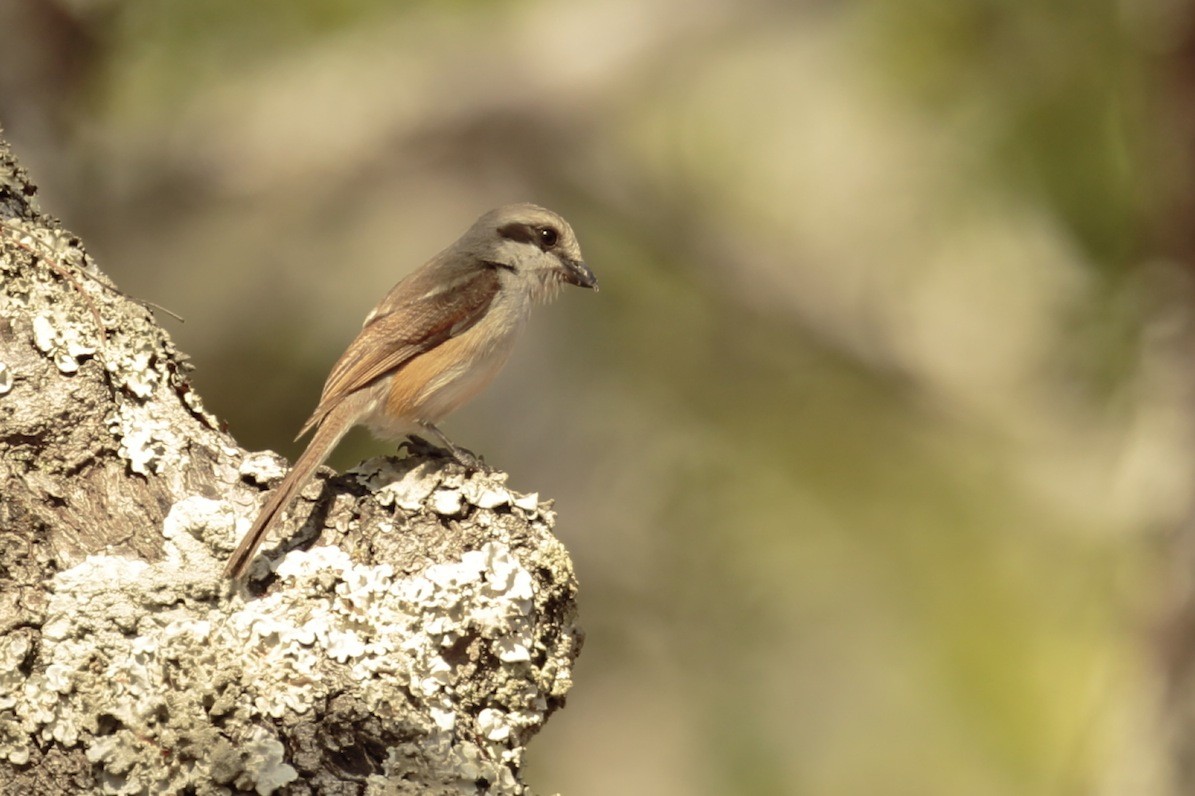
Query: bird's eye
point(548, 237)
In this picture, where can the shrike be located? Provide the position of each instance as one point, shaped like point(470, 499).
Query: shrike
point(436, 339)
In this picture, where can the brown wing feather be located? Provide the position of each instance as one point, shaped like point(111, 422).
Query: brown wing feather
point(410, 322)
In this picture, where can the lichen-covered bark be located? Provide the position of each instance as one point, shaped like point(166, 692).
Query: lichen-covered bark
point(412, 632)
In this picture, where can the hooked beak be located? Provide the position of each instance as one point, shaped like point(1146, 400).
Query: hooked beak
point(577, 273)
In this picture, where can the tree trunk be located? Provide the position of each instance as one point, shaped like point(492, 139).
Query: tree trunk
point(416, 648)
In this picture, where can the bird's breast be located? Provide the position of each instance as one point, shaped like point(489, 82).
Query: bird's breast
point(437, 382)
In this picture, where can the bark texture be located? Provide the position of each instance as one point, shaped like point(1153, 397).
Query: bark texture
point(410, 634)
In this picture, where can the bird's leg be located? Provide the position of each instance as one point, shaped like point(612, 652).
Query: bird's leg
point(464, 457)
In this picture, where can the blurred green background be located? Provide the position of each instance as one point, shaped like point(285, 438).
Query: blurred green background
point(874, 452)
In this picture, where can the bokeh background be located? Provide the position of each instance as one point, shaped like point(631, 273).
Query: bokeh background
point(875, 450)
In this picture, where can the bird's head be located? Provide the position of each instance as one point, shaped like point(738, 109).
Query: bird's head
point(532, 243)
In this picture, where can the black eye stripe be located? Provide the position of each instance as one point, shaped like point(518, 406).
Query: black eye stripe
point(543, 237)
point(523, 233)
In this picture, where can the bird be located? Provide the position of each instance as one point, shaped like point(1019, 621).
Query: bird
point(432, 343)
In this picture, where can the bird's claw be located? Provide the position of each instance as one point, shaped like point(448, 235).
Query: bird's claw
point(466, 458)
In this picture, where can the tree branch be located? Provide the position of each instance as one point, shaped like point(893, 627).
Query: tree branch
point(416, 649)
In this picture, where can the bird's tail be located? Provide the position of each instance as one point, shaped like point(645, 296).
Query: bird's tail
point(324, 440)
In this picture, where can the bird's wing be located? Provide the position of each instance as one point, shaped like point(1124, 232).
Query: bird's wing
point(409, 322)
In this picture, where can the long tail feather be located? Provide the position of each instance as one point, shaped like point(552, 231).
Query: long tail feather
point(322, 443)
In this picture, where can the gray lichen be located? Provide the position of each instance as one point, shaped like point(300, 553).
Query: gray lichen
point(48, 276)
point(166, 686)
point(148, 440)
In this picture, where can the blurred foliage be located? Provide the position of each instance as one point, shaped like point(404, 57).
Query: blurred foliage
point(1067, 85)
point(164, 51)
point(873, 446)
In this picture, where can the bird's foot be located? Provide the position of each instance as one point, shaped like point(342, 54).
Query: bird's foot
point(466, 458)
